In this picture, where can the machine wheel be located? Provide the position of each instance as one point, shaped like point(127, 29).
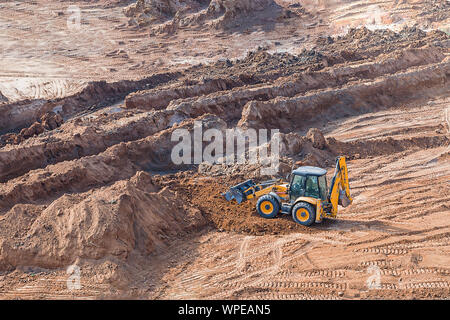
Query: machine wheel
point(267, 206)
point(304, 213)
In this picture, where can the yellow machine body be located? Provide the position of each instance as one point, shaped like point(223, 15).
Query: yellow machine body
point(279, 195)
point(279, 189)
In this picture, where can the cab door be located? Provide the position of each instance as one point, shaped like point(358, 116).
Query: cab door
point(312, 187)
point(323, 187)
point(297, 187)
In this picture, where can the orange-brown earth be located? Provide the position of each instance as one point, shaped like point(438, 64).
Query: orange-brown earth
point(88, 114)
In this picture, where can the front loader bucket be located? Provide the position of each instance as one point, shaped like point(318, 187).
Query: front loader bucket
point(237, 192)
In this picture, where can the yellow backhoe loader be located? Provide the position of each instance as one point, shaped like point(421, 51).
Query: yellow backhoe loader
point(306, 196)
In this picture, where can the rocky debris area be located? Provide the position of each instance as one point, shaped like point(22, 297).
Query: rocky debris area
point(317, 138)
point(361, 43)
point(434, 11)
point(169, 15)
point(144, 12)
point(49, 121)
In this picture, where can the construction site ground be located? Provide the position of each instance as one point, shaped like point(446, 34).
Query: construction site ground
point(86, 177)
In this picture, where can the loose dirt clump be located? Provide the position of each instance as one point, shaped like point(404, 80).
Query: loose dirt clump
point(49, 121)
point(317, 138)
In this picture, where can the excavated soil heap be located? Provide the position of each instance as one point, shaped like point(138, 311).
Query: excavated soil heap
point(130, 215)
point(204, 192)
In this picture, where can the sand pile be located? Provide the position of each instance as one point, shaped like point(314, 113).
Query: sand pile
point(130, 215)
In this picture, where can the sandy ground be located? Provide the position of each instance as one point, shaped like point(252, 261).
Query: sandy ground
point(44, 55)
point(397, 223)
point(100, 192)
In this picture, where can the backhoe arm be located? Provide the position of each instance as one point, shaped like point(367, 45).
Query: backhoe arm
point(340, 189)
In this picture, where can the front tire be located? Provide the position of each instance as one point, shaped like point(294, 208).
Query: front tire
point(304, 213)
point(268, 206)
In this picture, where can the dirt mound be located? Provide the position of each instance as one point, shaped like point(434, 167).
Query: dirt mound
point(386, 91)
point(130, 215)
point(93, 95)
point(169, 15)
point(294, 149)
point(47, 122)
point(234, 12)
point(156, 11)
point(317, 138)
point(361, 43)
point(205, 193)
point(160, 98)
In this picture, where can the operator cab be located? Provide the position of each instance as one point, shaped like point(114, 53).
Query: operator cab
point(308, 181)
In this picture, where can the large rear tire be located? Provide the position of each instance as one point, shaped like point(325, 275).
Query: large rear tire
point(304, 213)
point(267, 206)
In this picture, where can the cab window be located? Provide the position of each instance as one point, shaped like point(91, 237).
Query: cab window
point(312, 187)
point(297, 187)
point(323, 187)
